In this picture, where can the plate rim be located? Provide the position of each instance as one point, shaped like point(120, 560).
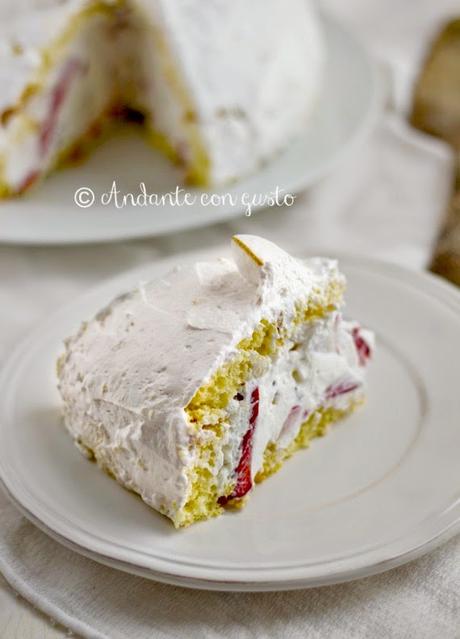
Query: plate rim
point(366, 123)
point(235, 585)
point(244, 579)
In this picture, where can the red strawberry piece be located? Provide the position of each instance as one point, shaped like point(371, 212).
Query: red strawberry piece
point(243, 470)
point(340, 389)
point(292, 420)
point(72, 68)
point(362, 347)
point(27, 182)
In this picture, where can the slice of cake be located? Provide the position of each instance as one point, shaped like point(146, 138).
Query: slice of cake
point(58, 88)
point(221, 86)
point(192, 388)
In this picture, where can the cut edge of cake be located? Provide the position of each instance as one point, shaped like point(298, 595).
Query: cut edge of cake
point(266, 341)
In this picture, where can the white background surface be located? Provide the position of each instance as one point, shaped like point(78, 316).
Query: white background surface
point(18, 620)
point(386, 200)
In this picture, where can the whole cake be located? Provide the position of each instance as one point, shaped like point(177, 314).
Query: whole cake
point(190, 389)
point(220, 85)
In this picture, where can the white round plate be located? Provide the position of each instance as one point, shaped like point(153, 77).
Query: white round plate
point(380, 489)
point(345, 112)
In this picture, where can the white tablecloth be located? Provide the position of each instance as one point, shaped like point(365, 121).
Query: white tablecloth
point(385, 200)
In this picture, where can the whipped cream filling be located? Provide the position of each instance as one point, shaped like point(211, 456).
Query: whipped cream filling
point(72, 96)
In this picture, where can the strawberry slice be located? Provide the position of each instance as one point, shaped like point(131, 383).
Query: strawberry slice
point(340, 389)
point(362, 347)
point(27, 182)
point(71, 70)
point(243, 470)
point(292, 421)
